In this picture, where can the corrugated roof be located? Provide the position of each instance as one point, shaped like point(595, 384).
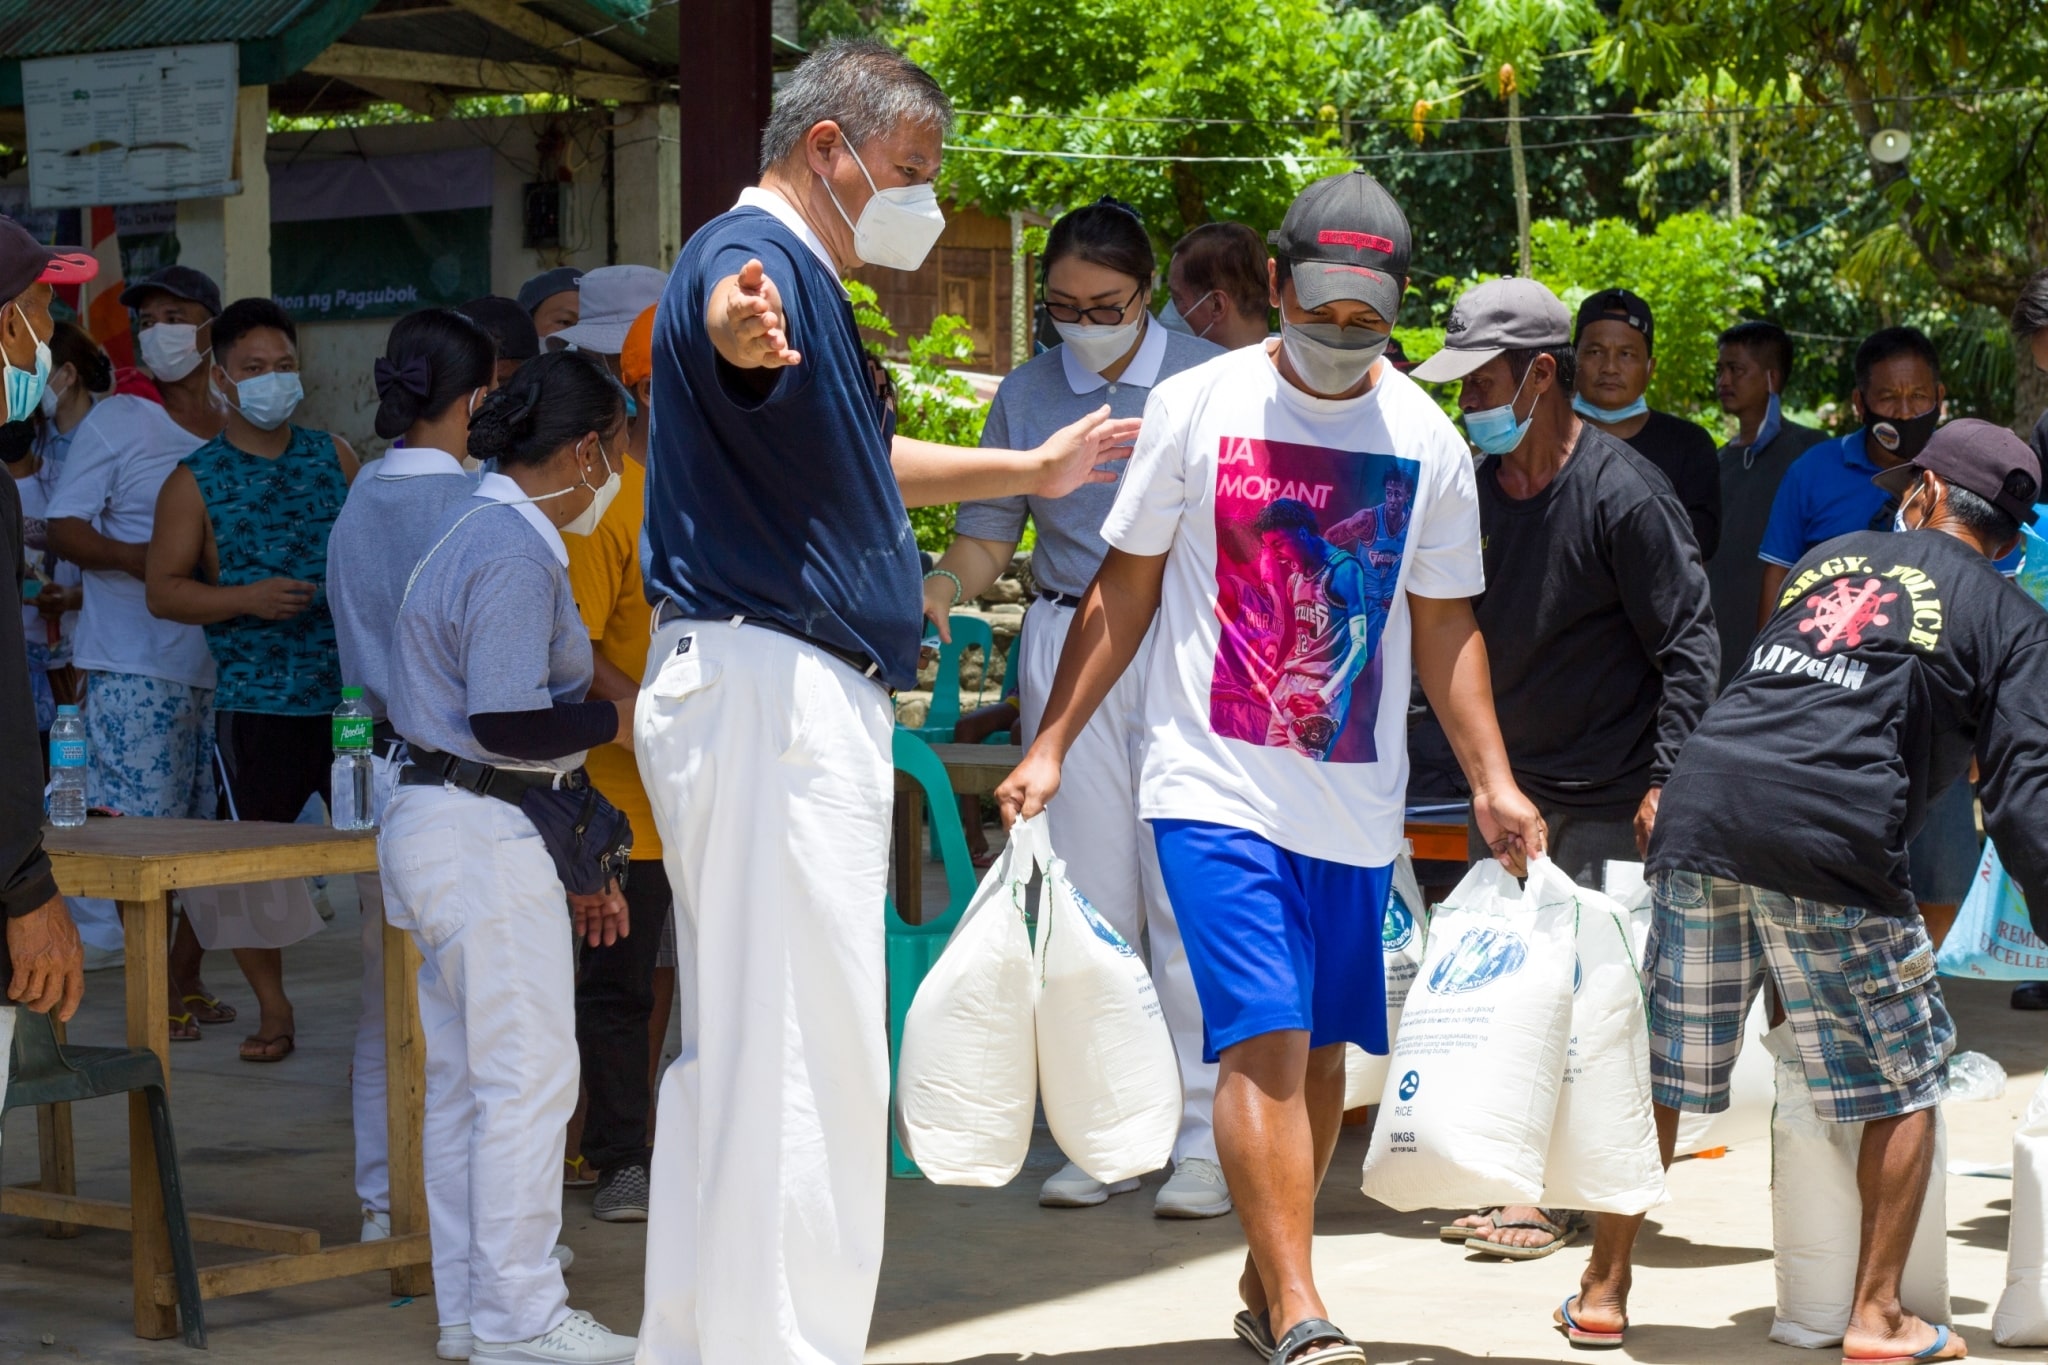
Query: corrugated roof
point(276, 37)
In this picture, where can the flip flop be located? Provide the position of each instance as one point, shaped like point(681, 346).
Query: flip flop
point(1585, 1339)
point(578, 1174)
point(208, 1009)
point(1255, 1331)
point(1452, 1232)
point(1342, 1350)
point(1561, 1236)
point(184, 1029)
point(1938, 1350)
point(265, 1056)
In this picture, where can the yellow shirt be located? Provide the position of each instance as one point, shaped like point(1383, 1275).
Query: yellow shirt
point(604, 574)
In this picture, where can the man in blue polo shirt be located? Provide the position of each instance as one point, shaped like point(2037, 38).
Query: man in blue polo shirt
point(1827, 493)
point(788, 603)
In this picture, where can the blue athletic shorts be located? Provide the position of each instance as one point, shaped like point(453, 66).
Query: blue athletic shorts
point(1276, 940)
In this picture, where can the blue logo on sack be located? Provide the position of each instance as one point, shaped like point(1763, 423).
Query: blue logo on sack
point(1410, 1083)
point(1398, 927)
point(1578, 973)
point(1482, 957)
point(1102, 927)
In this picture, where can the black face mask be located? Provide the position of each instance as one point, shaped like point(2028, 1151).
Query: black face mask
point(1900, 437)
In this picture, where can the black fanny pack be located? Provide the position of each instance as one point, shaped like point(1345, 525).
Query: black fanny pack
point(587, 836)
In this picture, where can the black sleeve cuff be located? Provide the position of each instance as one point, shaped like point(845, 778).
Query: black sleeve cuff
point(33, 886)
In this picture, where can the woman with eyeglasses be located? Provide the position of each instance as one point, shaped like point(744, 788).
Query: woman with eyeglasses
point(1099, 276)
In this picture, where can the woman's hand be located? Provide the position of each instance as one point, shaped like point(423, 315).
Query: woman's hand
point(938, 605)
point(624, 738)
point(600, 920)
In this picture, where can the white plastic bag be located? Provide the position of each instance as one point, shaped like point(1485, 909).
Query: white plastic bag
point(2022, 1315)
point(1402, 935)
point(273, 914)
point(1106, 1067)
point(967, 1077)
point(1817, 1215)
point(1472, 1088)
point(1603, 1145)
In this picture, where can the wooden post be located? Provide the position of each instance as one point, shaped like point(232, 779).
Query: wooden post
point(54, 1146)
point(1020, 290)
point(405, 1079)
point(1734, 166)
point(1521, 171)
point(724, 84)
point(146, 927)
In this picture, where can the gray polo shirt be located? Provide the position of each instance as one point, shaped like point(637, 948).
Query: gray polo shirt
point(389, 520)
point(1050, 391)
point(489, 625)
point(1749, 484)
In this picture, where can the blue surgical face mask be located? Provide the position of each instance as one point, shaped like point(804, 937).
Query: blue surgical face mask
point(1495, 430)
point(1610, 415)
point(25, 387)
point(632, 407)
point(267, 401)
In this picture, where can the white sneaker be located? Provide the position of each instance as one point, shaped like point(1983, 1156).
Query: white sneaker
point(578, 1339)
point(1196, 1190)
point(456, 1341)
point(377, 1227)
point(1074, 1188)
point(564, 1255)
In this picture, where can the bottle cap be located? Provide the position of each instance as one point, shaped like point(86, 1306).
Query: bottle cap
point(67, 710)
point(351, 694)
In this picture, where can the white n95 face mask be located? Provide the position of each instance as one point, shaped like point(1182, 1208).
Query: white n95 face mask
point(898, 227)
point(1098, 347)
point(169, 350)
point(601, 498)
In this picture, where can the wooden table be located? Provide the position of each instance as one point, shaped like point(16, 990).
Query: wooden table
point(137, 863)
point(978, 769)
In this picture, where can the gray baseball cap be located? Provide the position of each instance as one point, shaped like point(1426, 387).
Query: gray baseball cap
point(1513, 314)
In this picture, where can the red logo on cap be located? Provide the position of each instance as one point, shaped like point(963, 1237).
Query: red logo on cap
point(1362, 241)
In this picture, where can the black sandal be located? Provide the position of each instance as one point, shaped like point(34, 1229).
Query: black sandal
point(1255, 1331)
point(1342, 1350)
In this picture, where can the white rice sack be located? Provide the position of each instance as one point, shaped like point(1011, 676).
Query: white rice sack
point(1402, 934)
point(1472, 1089)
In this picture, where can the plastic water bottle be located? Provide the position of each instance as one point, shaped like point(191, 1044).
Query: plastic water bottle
point(67, 769)
point(352, 799)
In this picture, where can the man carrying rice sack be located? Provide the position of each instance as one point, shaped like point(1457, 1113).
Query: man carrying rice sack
point(1276, 698)
point(1780, 845)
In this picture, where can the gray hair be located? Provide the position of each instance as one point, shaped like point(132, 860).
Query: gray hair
point(864, 86)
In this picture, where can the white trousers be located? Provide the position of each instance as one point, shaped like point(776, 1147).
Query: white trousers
point(366, 1074)
point(768, 766)
point(7, 1013)
point(1110, 854)
point(470, 880)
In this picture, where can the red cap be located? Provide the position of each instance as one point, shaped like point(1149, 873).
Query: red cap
point(25, 261)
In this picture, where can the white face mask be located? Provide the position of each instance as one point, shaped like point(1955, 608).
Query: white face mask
point(1173, 320)
point(267, 401)
point(601, 497)
point(898, 227)
point(169, 350)
point(1325, 366)
point(52, 397)
point(1099, 347)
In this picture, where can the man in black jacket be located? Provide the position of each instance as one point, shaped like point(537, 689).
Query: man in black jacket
point(1893, 659)
point(40, 957)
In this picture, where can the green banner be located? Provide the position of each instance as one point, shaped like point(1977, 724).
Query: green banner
point(380, 267)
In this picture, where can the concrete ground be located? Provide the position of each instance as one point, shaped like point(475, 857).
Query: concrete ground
point(981, 1276)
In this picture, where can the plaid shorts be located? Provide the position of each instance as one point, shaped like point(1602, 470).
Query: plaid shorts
point(1859, 988)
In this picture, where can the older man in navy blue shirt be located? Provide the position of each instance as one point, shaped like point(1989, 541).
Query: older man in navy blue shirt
point(788, 602)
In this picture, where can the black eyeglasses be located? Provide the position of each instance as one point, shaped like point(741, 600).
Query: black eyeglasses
point(1105, 316)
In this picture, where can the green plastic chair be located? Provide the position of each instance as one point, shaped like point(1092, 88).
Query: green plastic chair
point(913, 948)
point(1009, 687)
point(968, 632)
point(44, 1071)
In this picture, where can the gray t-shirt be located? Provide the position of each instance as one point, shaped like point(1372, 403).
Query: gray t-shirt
point(489, 625)
point(388, 522)
point(1050, 391)
point(1749, 484)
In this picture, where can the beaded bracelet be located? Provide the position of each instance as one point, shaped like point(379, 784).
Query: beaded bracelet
point(959, 588)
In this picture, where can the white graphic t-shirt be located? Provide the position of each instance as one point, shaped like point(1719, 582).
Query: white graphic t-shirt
point(1294, 529)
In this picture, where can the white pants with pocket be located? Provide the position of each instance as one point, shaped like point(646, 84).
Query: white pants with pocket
point(1110, 854)
point(7, 1014)
point(468, 877)
point(768, 765)
point(366, 1073)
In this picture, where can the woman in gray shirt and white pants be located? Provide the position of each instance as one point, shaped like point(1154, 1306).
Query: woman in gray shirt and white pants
point(490, 664)
point(1099, 275)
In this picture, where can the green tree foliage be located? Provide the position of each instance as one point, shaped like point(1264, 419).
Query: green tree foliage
point(933, 403)
point(1083, 78)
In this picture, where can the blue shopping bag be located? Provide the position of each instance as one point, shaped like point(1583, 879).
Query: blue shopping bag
point(1993, 938)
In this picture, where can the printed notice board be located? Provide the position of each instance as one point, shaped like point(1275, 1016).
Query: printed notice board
point(129, 127)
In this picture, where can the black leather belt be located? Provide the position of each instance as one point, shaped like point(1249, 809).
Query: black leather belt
point(666, 611)
point(386, 742)
point(430, 769)
point(1059, 599)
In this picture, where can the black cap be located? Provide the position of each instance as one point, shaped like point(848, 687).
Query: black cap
point(1981, 456)
point(508, 324)
point(180, 282)
point(546, 285)
point(1617, 305)
point(1344, 237)
point(25, 261)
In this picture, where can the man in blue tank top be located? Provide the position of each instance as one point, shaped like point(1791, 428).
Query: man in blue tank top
point(787, 599)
